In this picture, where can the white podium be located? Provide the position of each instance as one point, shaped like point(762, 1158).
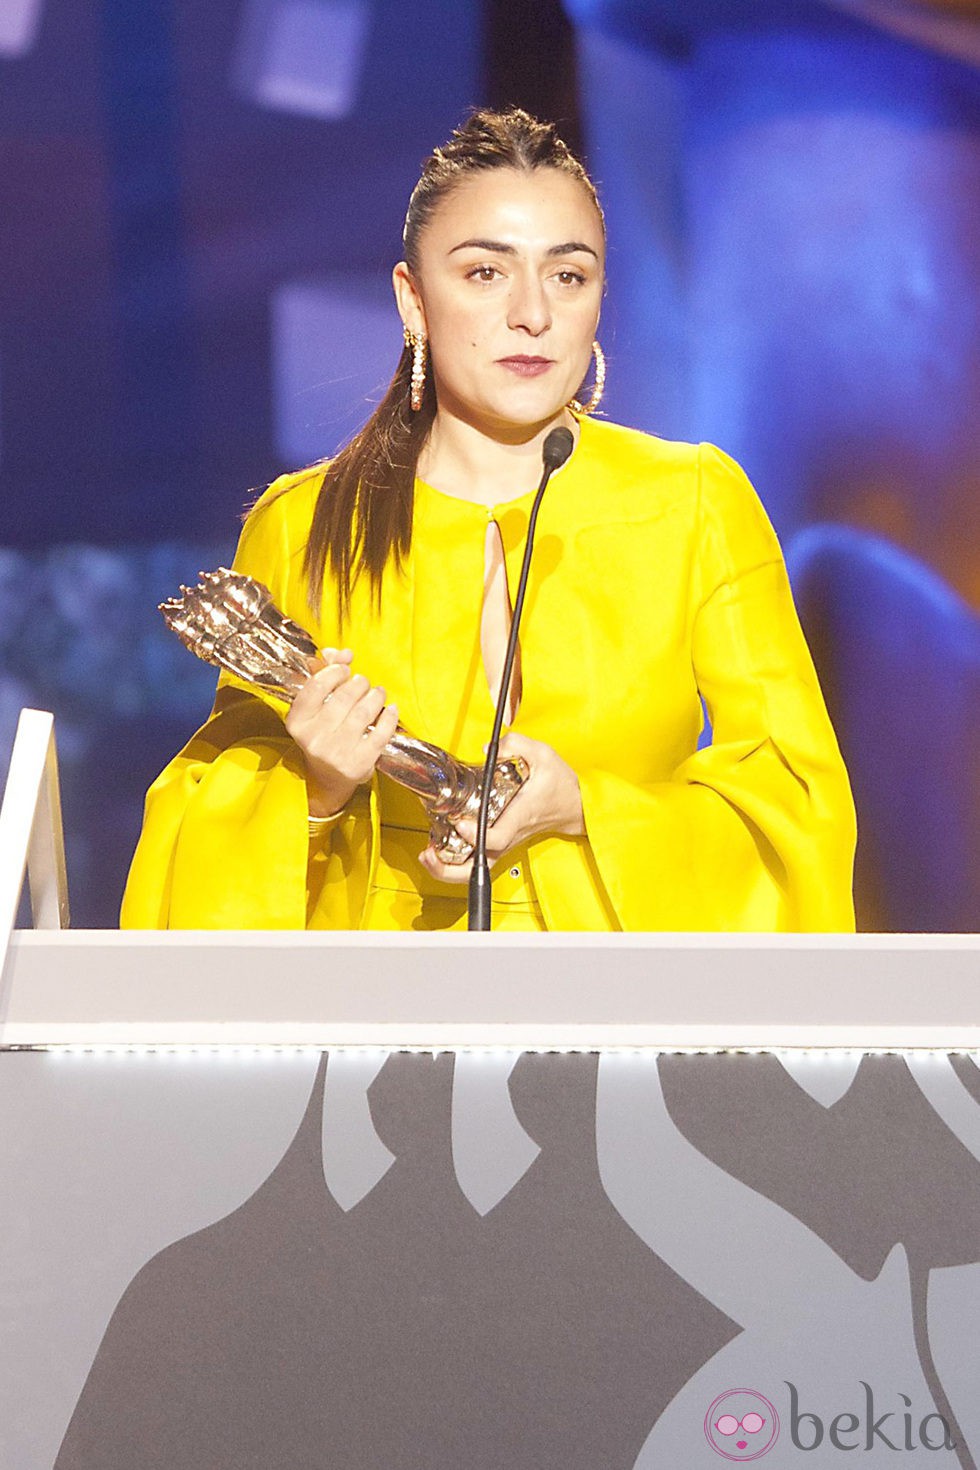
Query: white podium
point(427, 1200)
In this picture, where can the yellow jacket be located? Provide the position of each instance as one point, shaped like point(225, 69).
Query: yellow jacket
point(656, 578)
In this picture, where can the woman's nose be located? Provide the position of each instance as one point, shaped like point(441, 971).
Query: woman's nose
point(529, 307)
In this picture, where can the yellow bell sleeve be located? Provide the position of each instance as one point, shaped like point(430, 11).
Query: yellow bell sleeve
point(224, 835)
point(755, 832)
point(225, 841)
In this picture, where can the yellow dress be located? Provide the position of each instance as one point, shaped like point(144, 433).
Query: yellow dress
point(656, 579)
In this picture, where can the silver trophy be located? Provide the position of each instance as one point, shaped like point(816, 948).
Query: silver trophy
point(231, 621)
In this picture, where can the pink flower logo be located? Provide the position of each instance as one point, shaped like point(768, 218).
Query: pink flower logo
point(741, 1425)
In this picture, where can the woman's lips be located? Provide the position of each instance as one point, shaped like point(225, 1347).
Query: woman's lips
point(526, 367)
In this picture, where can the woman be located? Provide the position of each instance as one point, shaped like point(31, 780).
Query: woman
point(657, 581)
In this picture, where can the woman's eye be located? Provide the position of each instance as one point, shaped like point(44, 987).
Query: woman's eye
point(482, 273)
point(571, 278)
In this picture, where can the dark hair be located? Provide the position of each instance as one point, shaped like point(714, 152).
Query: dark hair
point(363, 513)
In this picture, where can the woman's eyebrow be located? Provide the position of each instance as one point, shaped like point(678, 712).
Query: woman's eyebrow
point(571, 247)
point(497, 247)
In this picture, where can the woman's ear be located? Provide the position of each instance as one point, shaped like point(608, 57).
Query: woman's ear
point(408, 299)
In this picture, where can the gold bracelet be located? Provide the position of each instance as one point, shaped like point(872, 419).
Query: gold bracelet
point(318, 825)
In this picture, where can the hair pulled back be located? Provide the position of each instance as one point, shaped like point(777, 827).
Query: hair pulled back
point(363, 513)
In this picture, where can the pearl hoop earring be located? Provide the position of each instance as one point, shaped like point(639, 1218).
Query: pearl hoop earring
point(598, 387)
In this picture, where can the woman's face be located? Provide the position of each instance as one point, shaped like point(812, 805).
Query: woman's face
point(507, 291)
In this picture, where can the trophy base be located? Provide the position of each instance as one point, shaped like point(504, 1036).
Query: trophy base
point(508, 778)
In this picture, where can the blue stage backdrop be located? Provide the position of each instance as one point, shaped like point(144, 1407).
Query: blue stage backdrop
point(199, 208)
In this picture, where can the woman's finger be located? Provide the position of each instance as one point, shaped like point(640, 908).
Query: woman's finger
point(363, 714)
point(385, 725)
point(457, 873)
point(514, 743)
point(315, 693)
point(327, 656)
point(341, 700)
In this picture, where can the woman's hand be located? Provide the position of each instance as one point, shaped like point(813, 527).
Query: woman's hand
point(330, 721)
point(549, 801)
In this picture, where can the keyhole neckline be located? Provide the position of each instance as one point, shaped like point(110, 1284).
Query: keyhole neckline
point(479, 508)
point(492, 511)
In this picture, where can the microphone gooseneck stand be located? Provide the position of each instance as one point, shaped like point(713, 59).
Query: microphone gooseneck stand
point(557, 447)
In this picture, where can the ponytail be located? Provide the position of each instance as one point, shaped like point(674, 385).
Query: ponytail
point(363, 513)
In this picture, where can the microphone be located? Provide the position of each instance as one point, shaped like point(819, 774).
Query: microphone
point(557, 447)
